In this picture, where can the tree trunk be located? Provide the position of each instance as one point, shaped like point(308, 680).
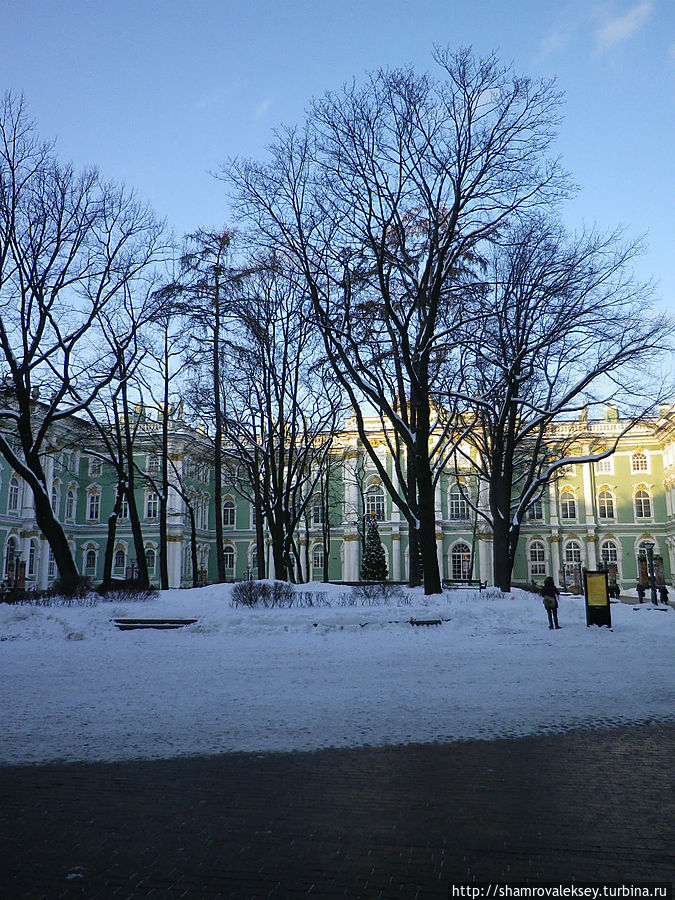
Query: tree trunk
point(164, 498)
point(143, 578)
point(218, 439)
point(427, 534)
point(110, 542)
point(51, 528)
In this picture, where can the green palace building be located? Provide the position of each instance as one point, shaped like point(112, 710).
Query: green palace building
point(607, 511)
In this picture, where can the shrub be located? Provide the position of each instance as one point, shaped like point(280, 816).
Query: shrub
point(378, 594)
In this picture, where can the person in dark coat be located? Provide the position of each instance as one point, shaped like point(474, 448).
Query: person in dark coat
point(550, 594)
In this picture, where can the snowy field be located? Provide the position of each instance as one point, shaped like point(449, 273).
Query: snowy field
point(74, 687)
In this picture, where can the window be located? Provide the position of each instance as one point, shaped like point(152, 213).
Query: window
point(605, 505)
point(643, 505)
point(604, 466)
point(11, 553)
point(459, 508)
point(375, 502)
point(70, 504)
point(32, 560)
point(69, 462)
point(56, 496)
point(13, 496)
point(153, 463)
point(535, 511)
point(94, 506)
point(90, 560)
point(253, 557)
point(572, 553)
point(317, 557)
point(460, 562)
point(228, 556)
point(95, 466)
point(228, 514)
point(254, 516)
point(51, 565)
point(150, 559)
point(537, 558)
point(120, 559)
point(638, 462)
point(568, 505)
point(609, 552)
point(317, 511)
point(124, 507)
point(152, 505)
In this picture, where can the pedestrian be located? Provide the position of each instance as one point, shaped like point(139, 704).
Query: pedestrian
point(550, 593)
point(663, 593)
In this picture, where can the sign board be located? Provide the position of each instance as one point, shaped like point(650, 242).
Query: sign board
point(596, 594)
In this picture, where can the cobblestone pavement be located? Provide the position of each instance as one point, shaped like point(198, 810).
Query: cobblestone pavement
point(373, 822)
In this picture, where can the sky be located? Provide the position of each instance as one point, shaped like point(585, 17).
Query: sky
point(160, 93)
point(336, 674)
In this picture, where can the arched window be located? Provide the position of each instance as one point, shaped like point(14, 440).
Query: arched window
point(638, 462)
point(70, 504)
point(572, 553)
point(317, 511)
point(568, 505)
point(56, 496)
point(90, 561)
point(609, 553)
point(643, 505)
point(375, 502)
point(460, 562)
point(13, 496)
point(120, 558)
point(150, 559)
point(605, 505)
point(11, 553)
point(253, 557)
point(537, 559)
point(459, 508)
point(228, 513)
point(317, 556)
point(228, 556)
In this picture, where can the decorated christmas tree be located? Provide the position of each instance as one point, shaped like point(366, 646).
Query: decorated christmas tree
point(373, 567)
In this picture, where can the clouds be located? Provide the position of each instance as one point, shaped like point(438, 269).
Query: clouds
point(616, 29)
point(607, 24)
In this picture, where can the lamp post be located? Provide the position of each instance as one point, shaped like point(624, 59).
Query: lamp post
point(649, 550)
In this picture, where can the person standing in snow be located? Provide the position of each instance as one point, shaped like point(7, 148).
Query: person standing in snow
point(550, 594)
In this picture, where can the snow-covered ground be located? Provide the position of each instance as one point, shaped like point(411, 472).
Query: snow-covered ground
point(74, 687)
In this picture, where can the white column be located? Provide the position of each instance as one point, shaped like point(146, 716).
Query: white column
point(174, 559)
point(485, 559)
point(303, 560)
point(271, 570)
point(396, 556)
point(439, 553)
point(351, 557)
point(588, 491)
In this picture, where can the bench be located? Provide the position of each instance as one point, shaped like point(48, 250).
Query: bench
point(129, 624)
point(426, 621)
point(451, 583)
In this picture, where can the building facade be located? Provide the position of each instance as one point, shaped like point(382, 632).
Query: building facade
point(605, 511)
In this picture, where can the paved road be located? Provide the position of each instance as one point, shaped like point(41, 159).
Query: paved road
point(376, 822)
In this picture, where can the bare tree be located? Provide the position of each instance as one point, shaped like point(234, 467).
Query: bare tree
point(202, 295)
point(385, 201)
point(566, 329)
point(71, 248)
point(282, 411)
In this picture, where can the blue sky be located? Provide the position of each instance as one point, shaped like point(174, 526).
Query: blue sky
point(158, 94)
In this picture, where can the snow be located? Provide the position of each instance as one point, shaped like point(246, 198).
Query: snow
point(74, 687)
